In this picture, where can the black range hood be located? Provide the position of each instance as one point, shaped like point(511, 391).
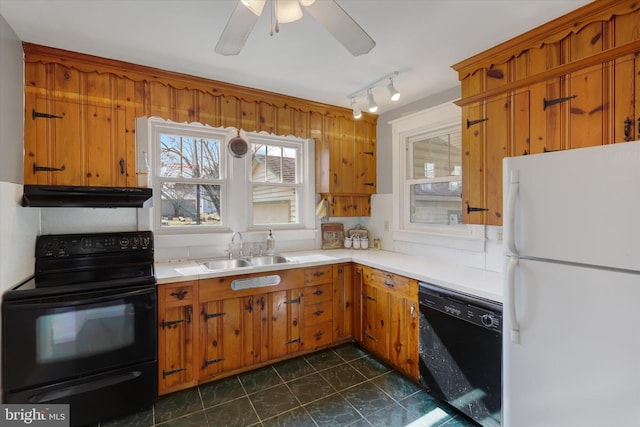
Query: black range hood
point(84, 197)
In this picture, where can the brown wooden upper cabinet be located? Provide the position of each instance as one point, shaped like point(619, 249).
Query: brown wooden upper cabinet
point(80, 113)
point(573, 82)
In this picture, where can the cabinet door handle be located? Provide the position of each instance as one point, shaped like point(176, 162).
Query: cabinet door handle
point(122, 169)
point(189, 311)
point(249, 307)
point(413, 312)
point(262, 303)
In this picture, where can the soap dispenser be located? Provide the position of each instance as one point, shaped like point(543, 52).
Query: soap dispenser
point(271, 243)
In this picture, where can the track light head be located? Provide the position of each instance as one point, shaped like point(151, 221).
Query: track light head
point(373, 107)
point(393, 92)
point(356, 110)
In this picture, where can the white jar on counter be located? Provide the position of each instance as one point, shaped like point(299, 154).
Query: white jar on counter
point(356, 242)
point(364, 243)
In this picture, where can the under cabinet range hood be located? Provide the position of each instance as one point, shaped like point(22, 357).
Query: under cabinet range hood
point(85, 197)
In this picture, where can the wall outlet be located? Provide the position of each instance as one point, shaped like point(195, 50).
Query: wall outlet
point(499, 234)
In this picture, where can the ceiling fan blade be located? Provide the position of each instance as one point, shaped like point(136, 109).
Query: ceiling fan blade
point(341, 26)
point(237, 30)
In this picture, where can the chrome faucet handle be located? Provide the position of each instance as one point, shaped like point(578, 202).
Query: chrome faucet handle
point(229, 253)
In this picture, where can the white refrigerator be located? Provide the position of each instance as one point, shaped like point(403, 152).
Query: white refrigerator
point(571, 341)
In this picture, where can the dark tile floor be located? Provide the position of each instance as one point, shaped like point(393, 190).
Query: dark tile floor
point(343, 386)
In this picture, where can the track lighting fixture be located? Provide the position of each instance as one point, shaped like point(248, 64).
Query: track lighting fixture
point(368, 92)
point(393, 92)
point(356, 110)
point(373, 107)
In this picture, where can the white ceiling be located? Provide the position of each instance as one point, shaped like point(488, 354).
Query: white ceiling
point(419, 38)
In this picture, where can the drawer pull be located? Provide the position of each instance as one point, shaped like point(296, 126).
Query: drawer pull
point(180, 294)
point(389, 283)
point(318, 313)
point(318, 334)
point(293, 301)
point(369, 297)
point(293, 341)
point(371, 337)
point(318, 273)
point(318, 292)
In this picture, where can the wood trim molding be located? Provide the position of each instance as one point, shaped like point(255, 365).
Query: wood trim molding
point(551, 32)
point(598, 58)
point(140, 73)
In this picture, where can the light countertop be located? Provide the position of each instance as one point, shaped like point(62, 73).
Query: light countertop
point(477, 282)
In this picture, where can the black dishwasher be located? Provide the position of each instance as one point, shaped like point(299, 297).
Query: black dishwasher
point(461, 352)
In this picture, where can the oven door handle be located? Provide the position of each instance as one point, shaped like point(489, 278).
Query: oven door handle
point(66, 301)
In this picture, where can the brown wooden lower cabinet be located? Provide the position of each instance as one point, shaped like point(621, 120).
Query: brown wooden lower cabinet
point(207, 330)
point(389, 313)
point(177, 336)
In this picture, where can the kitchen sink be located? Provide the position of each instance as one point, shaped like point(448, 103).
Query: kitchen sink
point(230, 264)
point(225, 264)
point(268, 260)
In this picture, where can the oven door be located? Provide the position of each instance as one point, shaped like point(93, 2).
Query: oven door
point(59, 337)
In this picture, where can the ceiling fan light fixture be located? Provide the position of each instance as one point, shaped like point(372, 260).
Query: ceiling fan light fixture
point(356, 110)
point(393, 92)
point(373, 107)
point(288, 11)
point(255, 6)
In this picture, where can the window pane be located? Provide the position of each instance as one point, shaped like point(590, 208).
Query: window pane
point(274, 205)
point(436, 203)
point(190, 204)
point(273, 164)
point(437, 156)
point(189, 157)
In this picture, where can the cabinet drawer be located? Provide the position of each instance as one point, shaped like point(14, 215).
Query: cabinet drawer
point(318, 313)
point(318, 293)
point(393, 282)
point(317, 335)
point(175, 296)
point(318, 275)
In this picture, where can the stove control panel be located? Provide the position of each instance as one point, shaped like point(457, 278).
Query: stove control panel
point(65, 245)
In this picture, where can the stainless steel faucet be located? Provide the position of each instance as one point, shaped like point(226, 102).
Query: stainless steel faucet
point(233, 239)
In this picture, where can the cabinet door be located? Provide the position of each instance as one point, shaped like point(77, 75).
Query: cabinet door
point(473, 176)
point(403, 332)
point(626, 99)
point(176, 339)
point(283, 330)
point(79, 141)
point(222, 340)
point(376, 320)
point(497, 141)
point(343, 302)
point(364, 152)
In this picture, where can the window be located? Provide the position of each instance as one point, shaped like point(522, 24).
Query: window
point(427, 173)
point(434, 183)
point(198, 187)
point(275, 182)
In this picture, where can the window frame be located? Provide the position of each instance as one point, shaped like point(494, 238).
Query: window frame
point(429, 122)
point(235, 176)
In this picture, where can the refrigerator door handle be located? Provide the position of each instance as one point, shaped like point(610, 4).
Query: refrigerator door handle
point(511, 299)
point(510, 220)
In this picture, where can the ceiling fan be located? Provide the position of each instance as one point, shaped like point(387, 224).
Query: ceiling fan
point(326, 12)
